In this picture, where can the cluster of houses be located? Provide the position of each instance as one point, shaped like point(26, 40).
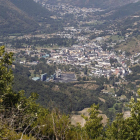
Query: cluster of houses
point(92, 56)
point(67, 9)
point(89, 55)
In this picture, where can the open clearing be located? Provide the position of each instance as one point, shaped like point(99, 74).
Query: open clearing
point(89, 86)
point(78, 119)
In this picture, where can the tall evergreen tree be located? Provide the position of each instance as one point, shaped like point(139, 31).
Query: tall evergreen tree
point(94, 126)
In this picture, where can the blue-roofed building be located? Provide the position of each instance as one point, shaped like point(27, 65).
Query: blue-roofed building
point(43, 76)
point(46, 55)
point(36, 78)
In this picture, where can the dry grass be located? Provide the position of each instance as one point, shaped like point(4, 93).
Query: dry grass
point(103, 100)
point(126, 114)
point(56, 88)
point(78, 119)
point(89, 86)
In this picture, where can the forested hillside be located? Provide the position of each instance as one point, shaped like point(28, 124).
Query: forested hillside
point(13, 20)
point(33, 9)
point(67, 97)
point(25, 16)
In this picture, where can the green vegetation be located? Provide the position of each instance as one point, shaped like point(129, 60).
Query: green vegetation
point(116, 38)
point(50, 42)
point(68, 96)
point(130, 46)
point(134, 77)
point(23, 118)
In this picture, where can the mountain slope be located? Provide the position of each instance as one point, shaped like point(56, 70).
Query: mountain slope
point(13, 20)
point(94, 3)
point(124, 11)
point(33, 9)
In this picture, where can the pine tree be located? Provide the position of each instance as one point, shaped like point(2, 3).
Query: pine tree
point(94, 126)
point(6, 76)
